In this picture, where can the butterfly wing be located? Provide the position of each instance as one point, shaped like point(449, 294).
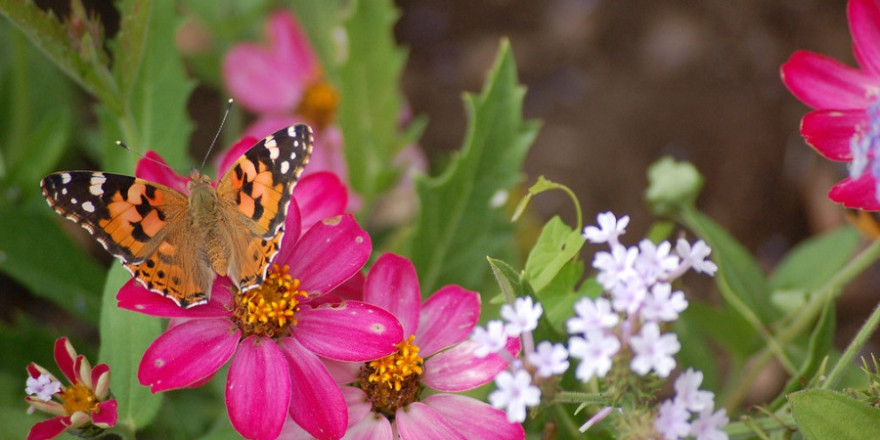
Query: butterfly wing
point(258, 188)
point(137, 221)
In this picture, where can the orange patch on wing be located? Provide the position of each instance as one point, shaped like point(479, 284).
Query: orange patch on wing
point(152, 224)
point(246, 205)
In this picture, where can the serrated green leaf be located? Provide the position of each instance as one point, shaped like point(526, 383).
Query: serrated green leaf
point(370, 98)
point(821, 343)
point(131, 44)
point(455, 223)
point(823, 414)
point(739, 277)
point(156, 117)
point(125, 336)
point(38, 254)
point(814, 261)
point(556, 246)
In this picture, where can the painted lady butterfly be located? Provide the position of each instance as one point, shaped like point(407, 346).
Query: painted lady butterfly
point(174, 243)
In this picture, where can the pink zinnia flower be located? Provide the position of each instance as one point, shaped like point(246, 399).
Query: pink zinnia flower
point(274, 334)
point(845, 125)
point(282, 82)
point(385, 396)
point(83, 407)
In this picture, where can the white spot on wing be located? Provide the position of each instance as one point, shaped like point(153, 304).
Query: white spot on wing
point(88, 206)
point(63, 192)
point(291, 131)
point(74, 201)
point(96, 184)
point(65, 178)
point(285, 166)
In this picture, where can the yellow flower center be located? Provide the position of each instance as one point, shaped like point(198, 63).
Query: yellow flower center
point(78, 398)
point(319, 104)
point(270, 309)
point(393, 381)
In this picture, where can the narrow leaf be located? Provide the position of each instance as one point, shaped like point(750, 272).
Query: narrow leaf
point(456, 219)
point(125, 336)
point(823, 414)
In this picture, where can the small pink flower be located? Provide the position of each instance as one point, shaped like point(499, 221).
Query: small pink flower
point(845, 125)
point(386, 394)
point(83, 407)
point(273, 335)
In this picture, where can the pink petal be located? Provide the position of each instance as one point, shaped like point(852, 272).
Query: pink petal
point(475, 419)
point(351, 289)
point(133, 296)
point(858, 193)
point(320, 195)
point(272, 79)
point(419, 421)
point(370, 428)
point(329, 253)
point(106, 415)
point(830, 131)
point(458, 369)
point(153, 167)
point(316, 403)
point(292, 230)
point(83, 371)
point(236, 151)
point(864, 24)
point(342, 372)
point(101, 380)
point(188, 353)
point(393, 285)
point(448, 317)
point(65, 357)
point(35, 371)
point(50, 428)
point(351, 331)
point(359, 406)
point(825, 83)
point(258, 389)
point(292, 431)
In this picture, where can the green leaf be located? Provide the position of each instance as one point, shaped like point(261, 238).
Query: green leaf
point(456, 219)
point(823, 414)
point(556, 246)
point(125, 336)
point(740, 279)
point(508, 279)
point(39, 255)
point(821, 343)
point(370, 98)
point(813, 262)
point(155, 117)
point(558, 296)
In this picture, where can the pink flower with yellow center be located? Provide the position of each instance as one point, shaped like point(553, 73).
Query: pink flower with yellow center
point(386, 395)
point(273, 335)
point(845, 125)
point(83, 408)
point(282, 82)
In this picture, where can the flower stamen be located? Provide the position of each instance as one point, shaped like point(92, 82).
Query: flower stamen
point(78, 398)
point(393, 381)
point(319, 104)
point(270, 309)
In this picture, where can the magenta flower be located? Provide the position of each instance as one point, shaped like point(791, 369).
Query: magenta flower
point(385, 396)
point(845, 125)
point(83, 407)
point(273, 335)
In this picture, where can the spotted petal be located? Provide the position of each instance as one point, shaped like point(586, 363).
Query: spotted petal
point(320, 195)
point(830, 131)
point(133, 296)
point(393, 285)
point(458, 369)
point(448, 317)
point(351, 331)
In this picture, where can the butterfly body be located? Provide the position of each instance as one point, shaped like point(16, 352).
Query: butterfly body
point(176, 244)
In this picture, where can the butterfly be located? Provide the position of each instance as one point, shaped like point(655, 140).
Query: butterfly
point(175, 244)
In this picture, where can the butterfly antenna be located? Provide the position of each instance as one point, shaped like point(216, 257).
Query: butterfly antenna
point(144, 156)
point(217, 136)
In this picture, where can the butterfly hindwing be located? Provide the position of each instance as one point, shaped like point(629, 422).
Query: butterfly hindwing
point(126, 215)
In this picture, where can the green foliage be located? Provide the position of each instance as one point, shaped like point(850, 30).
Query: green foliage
point(125, 337)
point(456, 219)
point(556, 245)
point(813, 262)
point(823, 414)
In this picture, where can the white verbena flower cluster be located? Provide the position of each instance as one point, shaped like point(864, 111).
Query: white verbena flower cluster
point(674, 416)
point(638, 281)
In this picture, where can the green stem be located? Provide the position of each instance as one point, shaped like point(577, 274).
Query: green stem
point(580, 397)
point(854, 348)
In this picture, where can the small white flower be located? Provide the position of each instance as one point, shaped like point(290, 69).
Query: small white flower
point(522, 316)
point(514, 394)
point(695, 256)
point(43, 387)
point(653, 351)
point(654, 262)
point(708, 425)
point(549, 359)
point(591, 315)
point(672, 420)
point(615, 266)
point(609, 228)
point(663, 304)
point(490, 340)
point(628, 296)
point(688, 393)
point(595, 352)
